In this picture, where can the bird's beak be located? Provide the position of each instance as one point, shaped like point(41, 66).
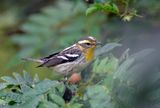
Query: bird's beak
point(98, 43)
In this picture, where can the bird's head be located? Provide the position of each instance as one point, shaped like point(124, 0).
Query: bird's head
point(88, 42)
point(88, 45)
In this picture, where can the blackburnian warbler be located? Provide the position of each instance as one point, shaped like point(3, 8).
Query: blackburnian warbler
point(72, 59)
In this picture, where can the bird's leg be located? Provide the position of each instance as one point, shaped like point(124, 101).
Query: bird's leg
point(65, 78)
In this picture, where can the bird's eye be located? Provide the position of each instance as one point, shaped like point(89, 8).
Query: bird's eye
point(88, 44)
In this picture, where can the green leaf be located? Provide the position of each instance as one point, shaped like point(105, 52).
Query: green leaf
point(32, 103)
point(11, 97)
point(98, 97)
point(57, 99)
point(100, 66)
point(47, 104)
point(26, 40)
point(2, 102)
point(107, 7)
point(18, 77)
point(28, 94)
point(3, 85)
point(112, 64)
point(27, 78)
point(106, 48)
point(106, 65)
point(141, 54)
point(8, 80)
point(41, 88)
point(60, 89)
point(75, 105)
point(91, 10)
point(36, 78)
point(122, 69)
point(25, 88)
point(112, 8)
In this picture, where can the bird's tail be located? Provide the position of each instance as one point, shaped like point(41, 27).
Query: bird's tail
point(34, 60)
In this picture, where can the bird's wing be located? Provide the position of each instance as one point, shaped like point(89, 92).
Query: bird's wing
point(65, 56)
point(49, 57)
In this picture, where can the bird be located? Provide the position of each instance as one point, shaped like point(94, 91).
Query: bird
point(72, 59)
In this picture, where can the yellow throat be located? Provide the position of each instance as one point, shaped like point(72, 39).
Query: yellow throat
point(89, 54)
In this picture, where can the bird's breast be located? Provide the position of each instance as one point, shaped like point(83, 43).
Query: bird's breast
point(71, 67)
